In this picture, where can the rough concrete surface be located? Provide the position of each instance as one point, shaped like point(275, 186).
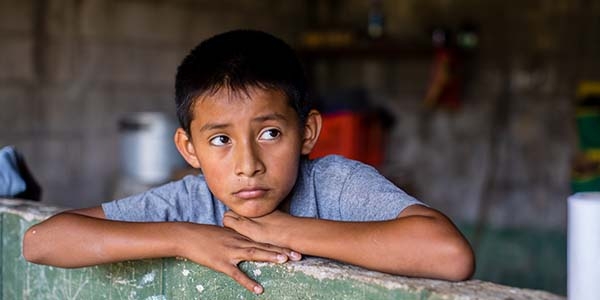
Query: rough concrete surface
point(311, 278)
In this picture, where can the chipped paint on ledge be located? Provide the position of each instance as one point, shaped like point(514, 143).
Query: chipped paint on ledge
point(161, 279)
point(28, 210)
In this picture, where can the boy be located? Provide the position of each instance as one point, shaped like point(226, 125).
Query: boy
point(246, 123)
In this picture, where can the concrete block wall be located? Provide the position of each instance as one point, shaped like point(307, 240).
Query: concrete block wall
point(311, 278)
point(505, 157)
point(70, 69)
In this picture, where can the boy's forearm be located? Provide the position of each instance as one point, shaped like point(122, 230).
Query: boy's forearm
point(425, 245)
point(84, 238)
point(414, 246)
point(74, 240)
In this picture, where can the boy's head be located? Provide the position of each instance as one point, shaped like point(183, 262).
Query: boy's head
point(241, 101)
point(238, 60)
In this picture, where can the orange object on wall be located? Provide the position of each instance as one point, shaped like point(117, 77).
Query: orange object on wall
point(357, 136)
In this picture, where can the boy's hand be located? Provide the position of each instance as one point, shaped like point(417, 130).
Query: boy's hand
point(222, 249)
point(93, 240)
point(266, 229)
point(420, 242)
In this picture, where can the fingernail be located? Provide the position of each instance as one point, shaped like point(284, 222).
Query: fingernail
point(281, 258)
point(257, 289)
point(295, 255)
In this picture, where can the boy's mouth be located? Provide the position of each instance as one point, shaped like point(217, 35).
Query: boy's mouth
point(250, 193)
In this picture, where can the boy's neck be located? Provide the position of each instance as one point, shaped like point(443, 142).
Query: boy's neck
point(285, 205)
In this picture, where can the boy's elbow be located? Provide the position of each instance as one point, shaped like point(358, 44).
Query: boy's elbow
point(31, 251)
point(460, 262)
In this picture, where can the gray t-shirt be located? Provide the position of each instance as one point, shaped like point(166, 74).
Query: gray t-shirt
point(332, 188)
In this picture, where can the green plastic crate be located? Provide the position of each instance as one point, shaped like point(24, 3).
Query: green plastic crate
point(588, 125)
point(586, 184)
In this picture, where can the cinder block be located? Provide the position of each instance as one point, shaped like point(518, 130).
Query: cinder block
point(96, 19)
point(99, 168)
point(148, 21)
point(163, 66)
point(131, 68)
point(58, 59)
point(62, 111)
point(142, 64)
point(201, 27)
point(209, 18)
point(16, 16)
point(90, 69)
point(58, 166)
point(99, 111)
point(17, 110)
point(16, 58)
point(69, 20)
point(101, 59)
point(128, 99)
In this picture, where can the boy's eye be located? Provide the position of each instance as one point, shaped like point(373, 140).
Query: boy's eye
point(270, 134)
point(220, 140)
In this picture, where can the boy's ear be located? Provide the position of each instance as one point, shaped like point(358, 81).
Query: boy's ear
point(186, 148)
point(312, 129)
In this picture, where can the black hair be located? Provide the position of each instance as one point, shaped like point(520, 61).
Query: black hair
point(237, 60)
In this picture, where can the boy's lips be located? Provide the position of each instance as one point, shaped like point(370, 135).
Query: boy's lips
point(251, 193)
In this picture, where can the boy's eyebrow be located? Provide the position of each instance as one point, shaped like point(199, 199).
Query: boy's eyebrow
point(259, 119)
point(213, 126)
point(269, 117)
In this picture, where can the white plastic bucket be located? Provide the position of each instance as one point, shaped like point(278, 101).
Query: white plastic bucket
point(148, 154)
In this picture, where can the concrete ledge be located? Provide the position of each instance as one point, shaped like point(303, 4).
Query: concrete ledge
point(312, 278)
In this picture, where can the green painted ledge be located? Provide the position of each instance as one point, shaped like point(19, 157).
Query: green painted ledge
point(158, 279)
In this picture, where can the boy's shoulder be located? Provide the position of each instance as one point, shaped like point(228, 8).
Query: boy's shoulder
point(337, 188)
point(186, 199)
point(334, 160)
point(335, 165)
point(335, 172)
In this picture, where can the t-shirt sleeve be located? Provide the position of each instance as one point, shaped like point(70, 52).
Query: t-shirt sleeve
point(369, 196)
point(169, 202)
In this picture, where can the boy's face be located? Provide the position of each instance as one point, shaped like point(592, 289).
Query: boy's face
point(248, 147)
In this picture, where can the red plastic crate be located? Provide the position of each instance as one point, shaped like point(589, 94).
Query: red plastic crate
point(357, 136)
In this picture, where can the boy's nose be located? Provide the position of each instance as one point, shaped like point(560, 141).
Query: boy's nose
point(247, 160)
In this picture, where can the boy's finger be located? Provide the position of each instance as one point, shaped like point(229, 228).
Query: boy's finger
point(228, 216)
point(228, 220)
point(292, 255)
point(232, 214)
point(259, 254)
point(243, 279)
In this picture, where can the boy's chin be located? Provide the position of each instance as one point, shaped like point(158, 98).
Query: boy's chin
point(254, 212)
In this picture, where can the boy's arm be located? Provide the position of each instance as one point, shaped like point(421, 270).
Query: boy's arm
point(421, 242)
point(83, 238)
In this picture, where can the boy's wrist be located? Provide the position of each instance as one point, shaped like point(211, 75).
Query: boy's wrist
point(288, 235)
point(175, 242)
